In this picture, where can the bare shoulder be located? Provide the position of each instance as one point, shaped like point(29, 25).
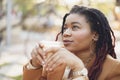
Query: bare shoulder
point(111, 60)
point(111, 63)
point(113, 67)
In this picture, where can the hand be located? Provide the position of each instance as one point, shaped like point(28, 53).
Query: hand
point(37, 56)
point(62, 56)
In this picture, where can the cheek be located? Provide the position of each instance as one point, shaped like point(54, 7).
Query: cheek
point(82, 36)
point(82, 40)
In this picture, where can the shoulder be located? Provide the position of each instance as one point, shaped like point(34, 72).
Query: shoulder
point(113, 67)
point(110, 63)
point(110, 60)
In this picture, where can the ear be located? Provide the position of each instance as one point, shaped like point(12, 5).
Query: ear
point(95, 36)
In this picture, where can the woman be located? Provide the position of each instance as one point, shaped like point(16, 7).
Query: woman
point(88, 52)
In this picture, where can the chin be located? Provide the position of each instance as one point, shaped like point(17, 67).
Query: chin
point(71, 49)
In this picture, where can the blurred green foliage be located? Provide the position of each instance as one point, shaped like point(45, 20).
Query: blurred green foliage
point(17, 77)
point(24, 5)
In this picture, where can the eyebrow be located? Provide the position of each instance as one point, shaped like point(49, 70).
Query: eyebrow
point(74, 23)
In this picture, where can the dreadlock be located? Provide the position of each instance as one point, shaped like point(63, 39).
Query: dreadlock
point(98, 23)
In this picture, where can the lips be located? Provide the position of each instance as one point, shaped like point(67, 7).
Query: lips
point(67, 42)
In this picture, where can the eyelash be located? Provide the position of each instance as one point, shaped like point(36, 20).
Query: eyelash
point(73, 28)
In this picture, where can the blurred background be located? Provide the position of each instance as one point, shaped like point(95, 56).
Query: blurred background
point(24, 23)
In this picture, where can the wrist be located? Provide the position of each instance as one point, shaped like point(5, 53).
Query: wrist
point(81, 78)
point(78, 66)
point(32, 62)
point(30, 66)
point(80, 73)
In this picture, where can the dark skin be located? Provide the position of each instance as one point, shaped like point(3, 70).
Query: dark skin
point(76, 38)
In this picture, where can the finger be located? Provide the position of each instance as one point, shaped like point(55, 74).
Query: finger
point(39, 55)
point(40, 45)
point(56, 64)
point(43, 52)
point(34, 52)
point(59, 62)
point(40, 60)
point(36, 57)
point(51, 61)
point(51, 50)
point(50, 58)
point(36, 60)
point(40, 52)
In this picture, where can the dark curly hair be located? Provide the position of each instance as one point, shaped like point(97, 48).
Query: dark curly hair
point(98, 23)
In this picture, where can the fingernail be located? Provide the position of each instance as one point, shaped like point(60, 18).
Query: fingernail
point(41, 45)
point(50, 69)
point(44, 57)
point(43, 62)
point(43, 65)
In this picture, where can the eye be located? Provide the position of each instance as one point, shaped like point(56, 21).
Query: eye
point(75, 28)
point(64, 29)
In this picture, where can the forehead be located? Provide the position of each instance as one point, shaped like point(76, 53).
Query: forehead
point(75, 18)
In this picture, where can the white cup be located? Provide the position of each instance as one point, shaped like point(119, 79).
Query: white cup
point(49, 44)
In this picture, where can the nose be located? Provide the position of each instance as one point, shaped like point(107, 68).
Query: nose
point(67, 32)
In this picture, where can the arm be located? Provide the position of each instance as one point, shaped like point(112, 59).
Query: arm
point(60, 56)
point(31, 74)
point(33, 70)
point(80, 74)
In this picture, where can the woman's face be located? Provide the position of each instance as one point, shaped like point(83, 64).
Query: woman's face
point(77, 35)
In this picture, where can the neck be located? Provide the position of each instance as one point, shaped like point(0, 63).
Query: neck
point(83, 54)
point(87, 57)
